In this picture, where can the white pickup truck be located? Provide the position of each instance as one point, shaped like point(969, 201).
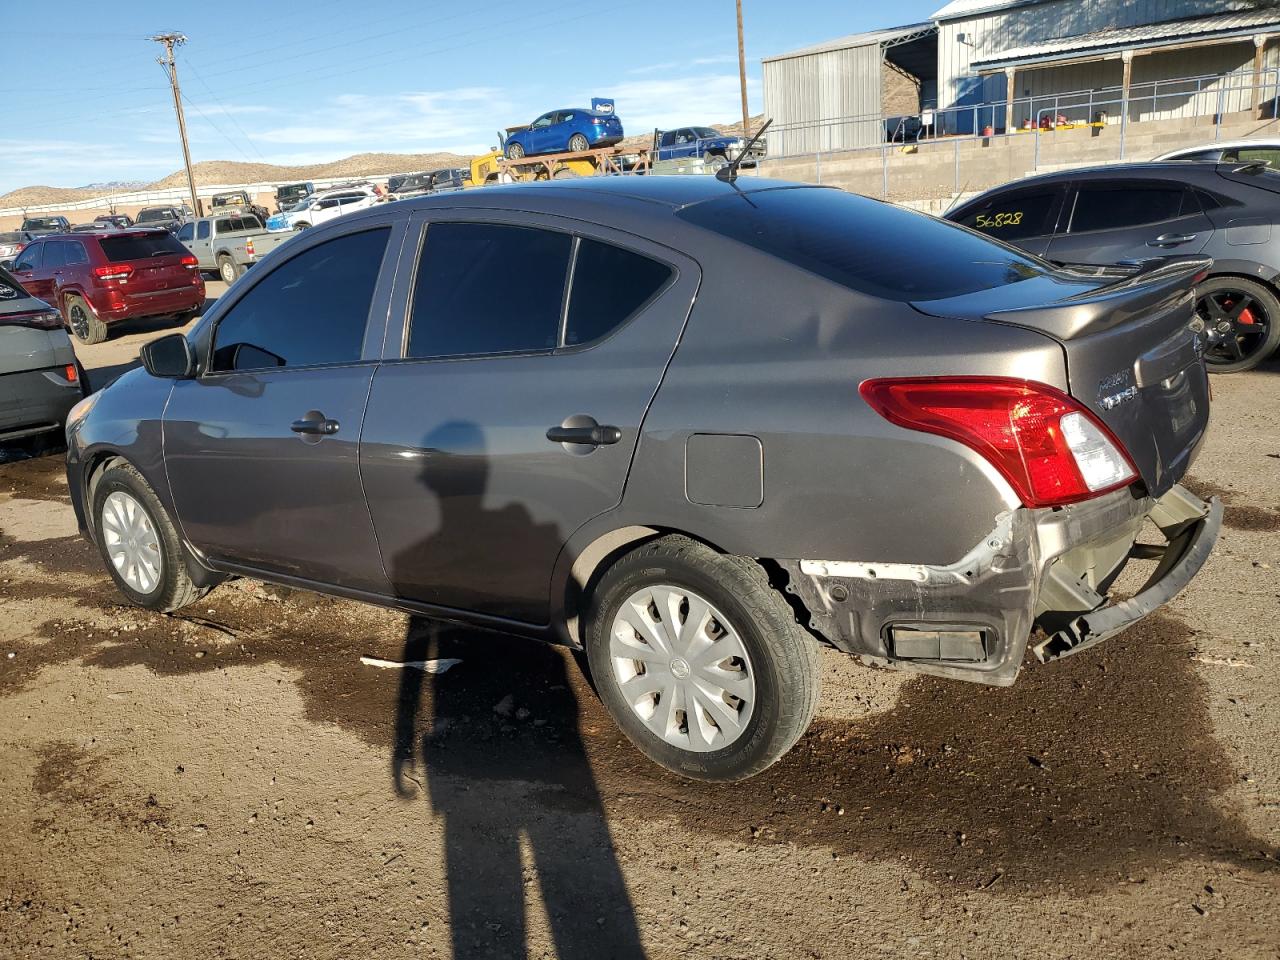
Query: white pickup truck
point(228, 244)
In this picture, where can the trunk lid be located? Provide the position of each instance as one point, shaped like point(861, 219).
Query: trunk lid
point(156, 259)
point(1134, 351)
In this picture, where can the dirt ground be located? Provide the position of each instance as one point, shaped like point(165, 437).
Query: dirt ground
point(232, 781)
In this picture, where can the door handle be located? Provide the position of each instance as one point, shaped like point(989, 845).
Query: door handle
point(315, 425)
point(594, 435)
point(1171, 239)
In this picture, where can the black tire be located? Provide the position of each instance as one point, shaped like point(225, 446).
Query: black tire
point(1244, 318)
point(579, 143)
point(299, 227)
point(564, 173)
point(82, 322)
point(783, 657)
point(514, 151)
point(174, 588)
point(228, 270)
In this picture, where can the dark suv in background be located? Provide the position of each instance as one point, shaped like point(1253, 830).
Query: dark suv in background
point(100, 278)
point(1130, 212)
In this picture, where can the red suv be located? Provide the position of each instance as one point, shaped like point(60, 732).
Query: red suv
point(100, 278)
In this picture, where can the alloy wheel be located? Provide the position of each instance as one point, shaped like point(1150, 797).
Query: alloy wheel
point(682, 668)
point(1237, 323)
point(79, 321)
point(131, 541)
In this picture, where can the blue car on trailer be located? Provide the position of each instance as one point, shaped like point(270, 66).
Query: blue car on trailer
point(568, 130)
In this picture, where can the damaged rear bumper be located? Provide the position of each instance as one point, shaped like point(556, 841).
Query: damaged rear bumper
point(1050, 568)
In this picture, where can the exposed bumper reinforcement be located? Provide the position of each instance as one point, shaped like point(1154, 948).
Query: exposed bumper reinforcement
point(1189, 547)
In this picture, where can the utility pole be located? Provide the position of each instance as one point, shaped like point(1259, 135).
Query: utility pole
point(171, 40)
point(742, 76)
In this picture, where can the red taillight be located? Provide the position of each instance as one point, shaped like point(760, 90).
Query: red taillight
point(190, 262)
point(248, 247)
point(1049, 447)
point(71, 373)
point(113, 271)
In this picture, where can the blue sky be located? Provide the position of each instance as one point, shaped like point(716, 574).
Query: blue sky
point(301, 83)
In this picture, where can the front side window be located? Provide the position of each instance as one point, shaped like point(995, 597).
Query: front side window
point(186, 232)
point(543, 121)
point(312, 309)
point(30, 258)
point(488, 288)
point(1013, 216)
point(1114, 206)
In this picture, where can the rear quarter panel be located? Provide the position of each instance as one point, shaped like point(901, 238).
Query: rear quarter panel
point(778, 354)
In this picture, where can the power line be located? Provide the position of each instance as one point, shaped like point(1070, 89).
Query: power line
point(225, 110)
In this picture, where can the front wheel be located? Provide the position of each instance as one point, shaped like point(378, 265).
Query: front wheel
point(514, 151)
point(578, 143)
point(139, 543)
point(700, 661)
point(1243, 320)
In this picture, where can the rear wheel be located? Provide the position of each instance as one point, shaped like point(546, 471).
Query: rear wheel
point(228, 269)
point(578, 143)
point(86, 327)
point(700, 661)
point(138, 542)
point(1243, 320)
point(299, 227)
point(514, 151)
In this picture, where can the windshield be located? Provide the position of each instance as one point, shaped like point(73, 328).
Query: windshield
point(42, 223)
point(155, 213)
point(875, 248)
point(290, 193)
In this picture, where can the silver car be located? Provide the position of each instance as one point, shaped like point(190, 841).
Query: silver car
point(694, 427)
point(40, 378)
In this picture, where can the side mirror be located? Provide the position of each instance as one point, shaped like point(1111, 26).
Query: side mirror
point(169, 358)
point(6, 265)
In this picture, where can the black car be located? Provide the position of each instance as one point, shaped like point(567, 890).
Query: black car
point(1127, 212)
point(170, 218)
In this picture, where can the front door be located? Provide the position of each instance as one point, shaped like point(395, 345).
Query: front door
point(512, 412)
point(30, 269)
point(262, 448)
point(1114, 220)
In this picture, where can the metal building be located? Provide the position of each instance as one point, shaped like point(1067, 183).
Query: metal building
point(1005, 64)
point(835, 95)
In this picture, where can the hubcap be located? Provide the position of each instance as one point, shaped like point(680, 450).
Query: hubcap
point(1240, 324)
point(227, 273)
point(682, 668)
point(131, 541)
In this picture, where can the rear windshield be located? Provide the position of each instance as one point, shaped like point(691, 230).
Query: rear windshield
point(285, 193)
point(13, 238)
point(874, 248)
point(144, 247)
point(156, 213)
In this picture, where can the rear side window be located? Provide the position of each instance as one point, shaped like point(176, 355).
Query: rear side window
point(311, 309)
point(75, 252)
point(1014, 216)
point(140, 247)
point(488, 288)
point(609, 285)
point(874, 248)
point(1268, 155)
point(202, 230)
point(1114, 206)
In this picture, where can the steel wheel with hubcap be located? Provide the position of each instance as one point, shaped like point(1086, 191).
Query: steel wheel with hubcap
point(139, 543)
point(699, 659)
point(131, 541)
point(1241, 318)
point(227, 270)
point(682, 668)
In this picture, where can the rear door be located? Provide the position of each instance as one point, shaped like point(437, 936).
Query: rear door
point(1113, 220)
point(1026, 218)
point(471, 500)
point(261, 449)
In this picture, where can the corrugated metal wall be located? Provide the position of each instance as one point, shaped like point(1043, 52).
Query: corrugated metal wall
point(986, 36)
point(839, 88)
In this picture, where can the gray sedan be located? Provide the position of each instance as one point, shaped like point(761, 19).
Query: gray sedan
point(40, 379)
point(697, 428)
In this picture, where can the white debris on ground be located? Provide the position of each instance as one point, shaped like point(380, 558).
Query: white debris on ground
point(426, 666)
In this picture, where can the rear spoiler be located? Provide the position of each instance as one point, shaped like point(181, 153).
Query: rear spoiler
point(1141, 287)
